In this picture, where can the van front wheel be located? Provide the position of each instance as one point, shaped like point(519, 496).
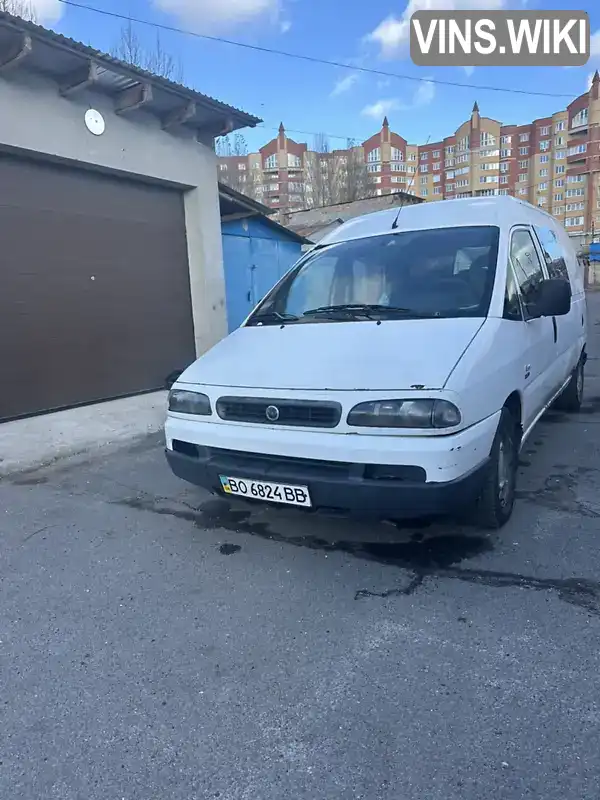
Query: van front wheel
point(496, 501)
point(572, 397)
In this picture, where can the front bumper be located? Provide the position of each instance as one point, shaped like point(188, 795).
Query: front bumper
point(356, 489)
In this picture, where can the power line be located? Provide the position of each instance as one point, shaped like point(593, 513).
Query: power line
point(304, 57)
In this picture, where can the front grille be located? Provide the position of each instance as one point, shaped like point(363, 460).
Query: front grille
point(299, 413)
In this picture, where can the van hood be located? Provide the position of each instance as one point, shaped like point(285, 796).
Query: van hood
point(337, 356)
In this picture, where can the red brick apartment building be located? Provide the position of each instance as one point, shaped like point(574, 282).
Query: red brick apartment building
point(552, 162)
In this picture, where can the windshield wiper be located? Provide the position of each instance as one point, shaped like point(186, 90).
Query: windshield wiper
point(368, 310)
point(274, 316)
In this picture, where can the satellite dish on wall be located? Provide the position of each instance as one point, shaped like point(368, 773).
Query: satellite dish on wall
point(94, 122)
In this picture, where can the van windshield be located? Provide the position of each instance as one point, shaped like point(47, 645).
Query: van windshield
point(442, 272)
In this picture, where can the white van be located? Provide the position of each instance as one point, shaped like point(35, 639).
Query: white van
point(396, 370)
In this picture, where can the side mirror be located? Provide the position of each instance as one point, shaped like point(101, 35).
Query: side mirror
point(552, 299)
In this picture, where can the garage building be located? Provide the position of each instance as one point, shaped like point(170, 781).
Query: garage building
point(111, 266)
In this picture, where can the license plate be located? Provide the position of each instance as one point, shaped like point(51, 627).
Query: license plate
point(263, 490)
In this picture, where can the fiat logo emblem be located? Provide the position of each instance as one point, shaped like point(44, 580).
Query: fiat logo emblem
point(272, 413)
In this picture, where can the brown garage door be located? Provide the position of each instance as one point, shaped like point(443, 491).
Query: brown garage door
point(94, 286)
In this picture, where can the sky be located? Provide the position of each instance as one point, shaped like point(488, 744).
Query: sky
point(312, 99)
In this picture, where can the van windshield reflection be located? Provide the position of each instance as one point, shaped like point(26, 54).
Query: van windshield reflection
point(425, 274)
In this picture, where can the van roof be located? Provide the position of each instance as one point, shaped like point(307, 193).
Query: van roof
point(503, 211)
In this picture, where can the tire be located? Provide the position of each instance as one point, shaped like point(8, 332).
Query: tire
point(497, 498)
point(571, 398)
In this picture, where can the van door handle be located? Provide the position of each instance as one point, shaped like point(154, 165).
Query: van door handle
point(555, 329)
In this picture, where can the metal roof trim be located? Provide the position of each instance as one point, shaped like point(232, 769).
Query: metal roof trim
point(136, 73)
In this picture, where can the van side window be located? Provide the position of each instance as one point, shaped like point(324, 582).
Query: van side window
point(512, 301)
point(553, 253)
point(526, 264)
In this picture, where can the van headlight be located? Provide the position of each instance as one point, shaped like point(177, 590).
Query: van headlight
point(184, 402)
point(405, 414)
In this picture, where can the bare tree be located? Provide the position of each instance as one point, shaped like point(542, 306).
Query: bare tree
point(157, 60)
point(231, 146)
point(354, 181)
point(19, 8)
point(336, 177)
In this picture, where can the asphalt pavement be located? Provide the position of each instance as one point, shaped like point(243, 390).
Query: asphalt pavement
point(160, 644)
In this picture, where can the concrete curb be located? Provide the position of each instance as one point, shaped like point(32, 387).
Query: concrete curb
point(30, 444)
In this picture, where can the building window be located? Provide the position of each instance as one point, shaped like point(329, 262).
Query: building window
point(397, 154)
point(372, 167)
point(523, 164)
point(522, 191)
point(424, 167)
point(505, 153)
point(543, 173)
point(412, 156)
point(523, 151)
point(545, 130)
point(294, 161)
point(436, 154)
point(559, 183)
point(560, 126)
point(573, 222)
point(505, 139)
point(542, 187)
point(575, 206)
point(560, 154)
point(560, 169)
point(488, 179)
point(423, 179)
point(223, 167)
point(398, 166)
point(437, 189)
point(423, 192)
point(241, 166)
point(545, 145)
point(374, 155)
point(486, 139)
point(559, 141)
point(575, 178)
point(271, 162)
point(502, 191)
point(575, 192)
point(544, 159)
point(437, 178)
point(411, 170)
point(524, 137)
point(437, 165)
point(450, 149)
point(558, 197)
point(542, 201)
point(580, 148)
point(449, 162)
point(580, 119)
point(424, 156)
point(504, 179)
point(523, 177)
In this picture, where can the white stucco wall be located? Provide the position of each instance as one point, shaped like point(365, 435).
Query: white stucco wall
point(35, 118)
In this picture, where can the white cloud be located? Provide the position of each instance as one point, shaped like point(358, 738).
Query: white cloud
point(219, 14)
point(379, 109)
point(595, 44)
point(393, 34)
point(44, 12)
point(344, 84)
point(424, 94)
point(285, 26)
